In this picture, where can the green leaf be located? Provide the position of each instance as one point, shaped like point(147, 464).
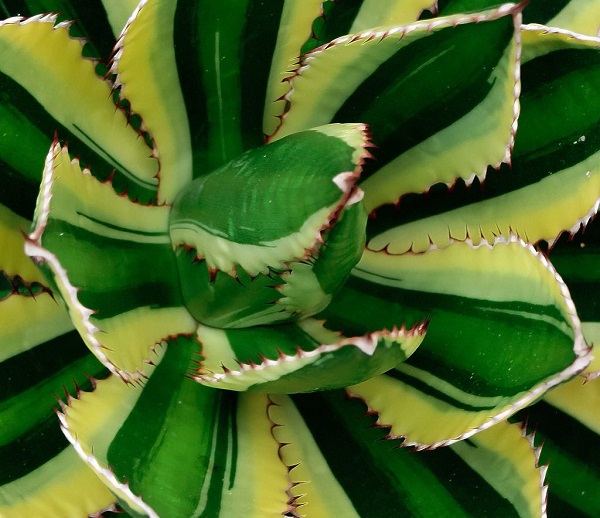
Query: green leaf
point(339, 463)
point(502, 332)
point(40, 358)
point(141, 441)
point(112, 263)
point(236, 233)
point(566, 424)
point(396, 77)
point(300, 357)
point(147, 73)
point(553, 183)
point(48, 87)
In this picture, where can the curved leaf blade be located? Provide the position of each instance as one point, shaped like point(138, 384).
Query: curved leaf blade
point(49, 87)
point(473, 370)
point(112, 263)
point(221, 442)
point(378, 477)
point(553, 184)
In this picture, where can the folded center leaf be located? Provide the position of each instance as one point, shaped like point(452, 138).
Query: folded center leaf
point(270, 236)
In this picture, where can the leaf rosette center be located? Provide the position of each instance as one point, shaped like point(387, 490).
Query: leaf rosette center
point(270, 236)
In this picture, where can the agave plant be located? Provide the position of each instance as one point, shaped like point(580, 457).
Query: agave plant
point(255, 254)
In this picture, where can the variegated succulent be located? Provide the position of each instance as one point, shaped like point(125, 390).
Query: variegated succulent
point(295, 235)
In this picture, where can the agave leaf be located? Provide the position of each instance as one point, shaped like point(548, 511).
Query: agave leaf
point(188, 450)
point(503, 331)
point(111, 261)
point(146, 70)
point(93, 19)
point(40, 356)
point(300, 357)
point(574, 15)
point(542, 194)
point(354, 470)
point(576, 257)
point(48, 87)
point(566, 423)
point(394, 77)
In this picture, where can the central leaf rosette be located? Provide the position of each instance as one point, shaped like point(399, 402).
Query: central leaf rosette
point(271, 236)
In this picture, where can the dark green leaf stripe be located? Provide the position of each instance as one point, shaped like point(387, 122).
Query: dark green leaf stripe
point(32, 449)
point(17, 192)
point(435, 483)
point(576, 258)
point(125, 275)
point(39, 363)
point(224, 122)
point(410, 377)
point(378, 100)
point(127, 454)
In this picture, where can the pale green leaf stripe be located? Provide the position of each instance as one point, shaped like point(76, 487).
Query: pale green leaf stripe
point(129, 443)
point(91, 117)
point(118, 12)
point(439, 483)
point(578, 16)
point(566, 424)
point(146, 68)
point(77, 491)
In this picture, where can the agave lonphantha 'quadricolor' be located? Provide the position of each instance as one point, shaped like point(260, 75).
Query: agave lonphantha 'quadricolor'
point(295, 235)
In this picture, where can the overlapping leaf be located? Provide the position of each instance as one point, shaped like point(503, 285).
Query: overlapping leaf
point(111, 262)
point(394, 78)
point(503, 302)
point(339, 464)
point(49, 88)
point(553, 184)
point(566, 424)
point(188, 451)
